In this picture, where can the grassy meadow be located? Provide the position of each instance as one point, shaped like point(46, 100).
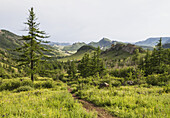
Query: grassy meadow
point(125, 101)
point(130, 101)
point(42, 99)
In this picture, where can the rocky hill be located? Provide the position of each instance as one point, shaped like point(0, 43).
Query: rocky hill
point(121, 51)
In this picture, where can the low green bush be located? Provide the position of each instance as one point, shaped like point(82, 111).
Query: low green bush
point(10, 84)
point(24, 88)
point(166, 89)
point(158, 79)
point(115, 83)
point(47, 84)
point(26, 82)
point(43, 84)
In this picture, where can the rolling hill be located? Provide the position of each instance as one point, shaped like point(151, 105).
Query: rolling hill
point(79, 54)
point(117, 51)
point(153, 41)
point(9, 41)
point(74, 46)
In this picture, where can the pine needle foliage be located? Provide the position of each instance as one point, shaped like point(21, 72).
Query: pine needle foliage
point(31, 52)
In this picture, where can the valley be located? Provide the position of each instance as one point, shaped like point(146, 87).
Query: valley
point(132, 91)
point(104, 79)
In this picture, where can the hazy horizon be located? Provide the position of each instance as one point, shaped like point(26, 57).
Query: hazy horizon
point(90, 20)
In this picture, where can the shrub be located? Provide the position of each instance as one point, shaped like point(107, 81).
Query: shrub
point(158, 79)
point(166, 89)
point(24, 88)
point(124, 72)
point(47, 84)
point(44, 79)
point(43, 84)
point(38, 84)
point(10, 84)
point(115, 83)
point(27, 83)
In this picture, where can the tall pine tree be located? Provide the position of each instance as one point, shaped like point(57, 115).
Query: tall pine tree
point(31, 52)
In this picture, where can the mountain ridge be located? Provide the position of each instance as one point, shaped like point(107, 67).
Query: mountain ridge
point(153, 41)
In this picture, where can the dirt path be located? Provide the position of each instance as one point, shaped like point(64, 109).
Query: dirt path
point(102, 113)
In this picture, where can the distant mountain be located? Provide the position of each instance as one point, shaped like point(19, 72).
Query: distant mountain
point(104, 43)
point(167, 45)
point(153, 41)
point(57, 43)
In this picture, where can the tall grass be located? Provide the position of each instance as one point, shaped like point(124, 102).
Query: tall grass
point(42, 103)
point(130, 101)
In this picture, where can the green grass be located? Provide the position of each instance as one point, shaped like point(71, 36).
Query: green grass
point(130, 101)
point(54, 102)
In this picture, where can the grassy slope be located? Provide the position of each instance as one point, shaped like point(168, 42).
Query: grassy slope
point(54, 102)
point(115, 54)
point(109, 55)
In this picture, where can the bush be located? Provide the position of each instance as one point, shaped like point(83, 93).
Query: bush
point(45, 84)
point(10, 84)
point(38, 84)
point(166, 89)
point(115, 83)
point(124, 72)
point(44, 79)
point(24, 88)
point(158, 79)
point(26, 83)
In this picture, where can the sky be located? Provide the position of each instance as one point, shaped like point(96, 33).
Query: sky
point(90, 20)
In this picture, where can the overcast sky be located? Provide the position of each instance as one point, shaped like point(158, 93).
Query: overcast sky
point(90, 20)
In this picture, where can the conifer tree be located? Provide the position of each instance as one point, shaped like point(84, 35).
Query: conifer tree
point(90, 66)
point(84, 66)
point(31, 52)
point(72, 70)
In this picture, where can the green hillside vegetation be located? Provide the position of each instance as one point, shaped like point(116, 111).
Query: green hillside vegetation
point(9, 40)
point(73, 47)
point(138, 88)
point(79, 54)
point(120, 51)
